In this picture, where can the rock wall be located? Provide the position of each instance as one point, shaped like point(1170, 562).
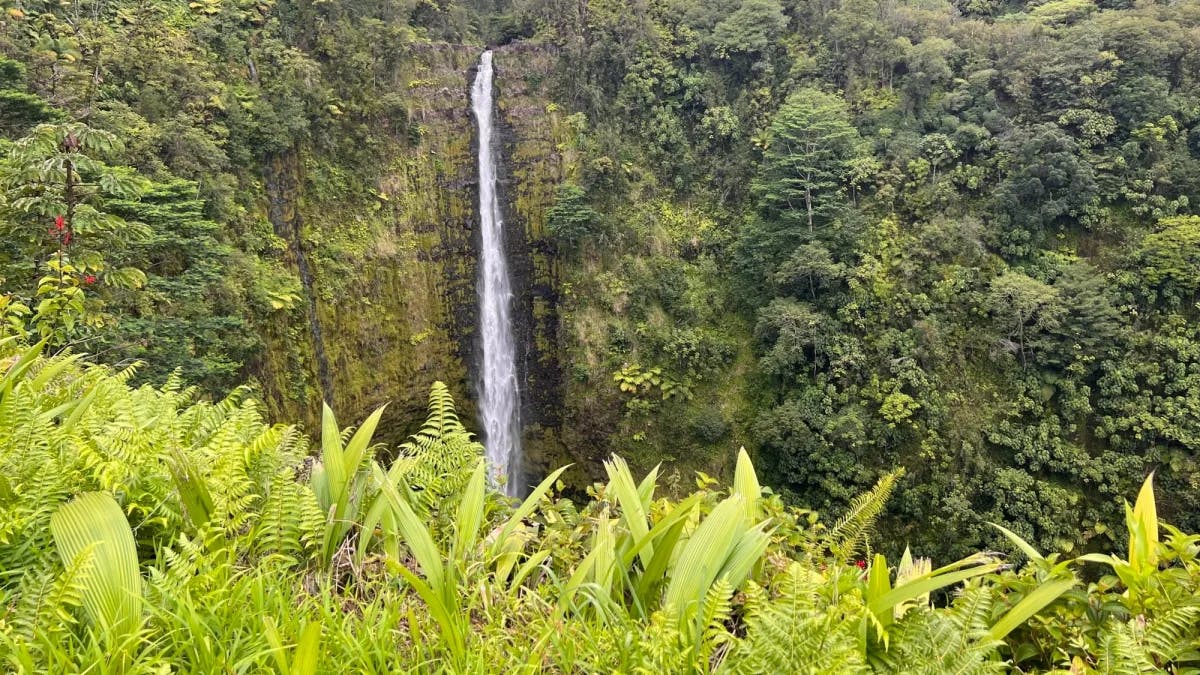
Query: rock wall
point(388, 270)
point(536, 158)
point(391, 300)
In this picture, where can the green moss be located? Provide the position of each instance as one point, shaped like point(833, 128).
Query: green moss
point(392, 263)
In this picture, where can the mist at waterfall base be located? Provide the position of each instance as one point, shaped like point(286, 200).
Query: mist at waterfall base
point(499, 390)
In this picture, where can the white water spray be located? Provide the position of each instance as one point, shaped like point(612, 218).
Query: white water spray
point(499, 400)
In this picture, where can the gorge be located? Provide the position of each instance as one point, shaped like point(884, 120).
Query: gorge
point(669, 336)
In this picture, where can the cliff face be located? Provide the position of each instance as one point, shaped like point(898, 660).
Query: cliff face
point(536, 157)
point(388, 269)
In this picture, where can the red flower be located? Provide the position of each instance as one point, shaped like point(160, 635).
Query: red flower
point(89, 279)
point(59, 223)
point(860, 564)
point(66, 238)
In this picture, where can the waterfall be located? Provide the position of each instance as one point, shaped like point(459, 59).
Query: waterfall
point(499, 400)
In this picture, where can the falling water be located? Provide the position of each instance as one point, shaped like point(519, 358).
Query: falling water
point(499, 392)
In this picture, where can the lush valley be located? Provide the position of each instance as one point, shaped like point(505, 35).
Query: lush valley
point(943, 254)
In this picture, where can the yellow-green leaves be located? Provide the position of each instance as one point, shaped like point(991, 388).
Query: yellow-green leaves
point(725, 545)
point(633, 503)
point(93, 525)
point(1031, 604)
point(1142, 559)
point(1143, 530)
point(1022, 545)
point(305, 657)
point(470, 513)
point(883, 606)
point(745, 483)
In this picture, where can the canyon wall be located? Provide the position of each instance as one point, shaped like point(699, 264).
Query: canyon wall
point(387, 270)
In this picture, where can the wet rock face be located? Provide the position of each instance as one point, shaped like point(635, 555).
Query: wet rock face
point(532, 167)
point(388, 266)
point(389, 262)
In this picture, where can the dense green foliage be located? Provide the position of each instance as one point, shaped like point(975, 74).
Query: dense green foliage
point(142, 531)
point(187, 106)
point(957, 236)
point(961, 238)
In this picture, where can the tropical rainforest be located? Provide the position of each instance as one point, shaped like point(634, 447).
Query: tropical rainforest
point(854, 336)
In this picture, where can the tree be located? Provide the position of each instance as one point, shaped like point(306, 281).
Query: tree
point(1023, 306)
point(55, 225)
point(19, 109)
point(752, 29)
point(571, 219)
point(810, 153)
point(1047, 180)
point(795, 336)
point(1169, 261)
point(811, 268)
point(190, 316)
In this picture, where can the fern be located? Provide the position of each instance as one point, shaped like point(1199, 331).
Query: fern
point(798, 632)
point(436, 462)
point(291, 522)
point(1119, 651)
point(715, 613)
point(1172, 635)
point(851, 533)
point(933, 643)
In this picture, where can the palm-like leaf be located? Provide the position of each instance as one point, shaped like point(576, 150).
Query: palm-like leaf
point(93, 525)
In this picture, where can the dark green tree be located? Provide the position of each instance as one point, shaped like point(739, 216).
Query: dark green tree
point(571, 219)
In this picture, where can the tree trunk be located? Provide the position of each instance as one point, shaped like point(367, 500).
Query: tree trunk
point(809, 207)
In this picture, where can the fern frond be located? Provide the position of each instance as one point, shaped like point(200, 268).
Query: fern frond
point(850, 534)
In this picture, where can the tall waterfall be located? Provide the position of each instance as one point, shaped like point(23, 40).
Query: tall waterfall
point(499, 400)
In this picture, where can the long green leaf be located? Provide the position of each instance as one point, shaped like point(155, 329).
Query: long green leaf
point(745, 483)
point(926, 584)
point(680, 511)
point(704, 554)
point(1031, 604)
point(523, 511)
point(528, 567)
point(112, 594)
point(17, 370)
point(332, 459)
point(193, 490)
point(470, 513)
point(646, 487)
point(278, 649)
point(360, 441)
point(416, 536)
point(878, 586)
point(1025, 547)
point(653, 576)
point(435, 602)
point(308, 650)
point(745, 555)
point(1143, 530)
point(49, 372)
point(622, 487)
